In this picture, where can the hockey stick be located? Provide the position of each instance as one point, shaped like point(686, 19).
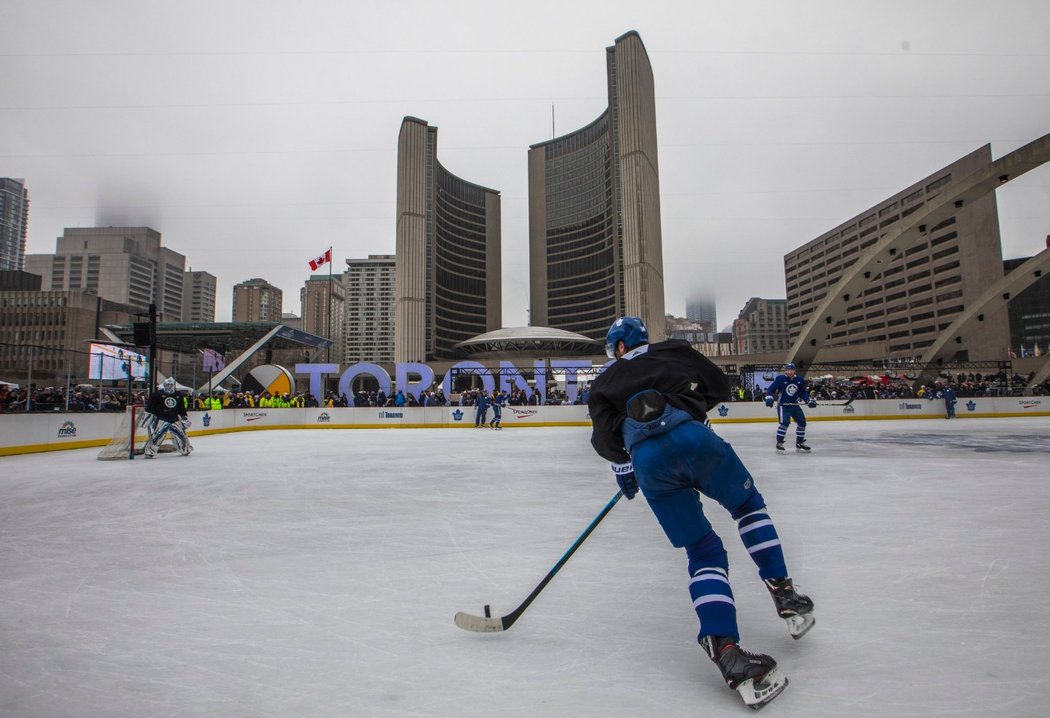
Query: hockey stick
point(845, 403)
point(487, 624)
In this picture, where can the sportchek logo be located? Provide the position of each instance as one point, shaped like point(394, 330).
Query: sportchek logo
point(525, 413)
point(323, 418)
point(253, 415)
point(1030, 403)
point(67, 429)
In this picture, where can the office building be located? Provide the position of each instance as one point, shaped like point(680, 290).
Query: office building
point(198, 296)
point(370, 300)
point(922, 290)
point(44, 334)
point(448, 283)
point(1029, 314)
point(256, 300)
point(595, 248)
point(126, 265)
point(701, 309)
point(762, 327)
point(324, 312)
point(14, 223)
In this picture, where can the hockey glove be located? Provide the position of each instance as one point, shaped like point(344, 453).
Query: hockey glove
point(626, 479)
point(769, 402)
point(812, 404)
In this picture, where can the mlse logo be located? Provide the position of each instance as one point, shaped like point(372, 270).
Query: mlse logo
point(323, 417)
point(904, 405)
point(391, 415)
point(68, 428)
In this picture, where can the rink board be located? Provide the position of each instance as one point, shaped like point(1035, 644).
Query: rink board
point(29, 433)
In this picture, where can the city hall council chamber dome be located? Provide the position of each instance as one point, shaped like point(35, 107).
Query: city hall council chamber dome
point(529, 343)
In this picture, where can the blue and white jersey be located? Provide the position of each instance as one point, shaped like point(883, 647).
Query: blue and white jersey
point(788, 391)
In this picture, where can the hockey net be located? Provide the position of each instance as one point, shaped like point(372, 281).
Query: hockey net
point(129, 440)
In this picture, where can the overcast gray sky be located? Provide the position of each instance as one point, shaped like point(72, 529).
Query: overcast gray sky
point(254, 134)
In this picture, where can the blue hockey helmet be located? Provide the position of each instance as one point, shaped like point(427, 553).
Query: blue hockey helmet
point(790, 366)
point(629, 330)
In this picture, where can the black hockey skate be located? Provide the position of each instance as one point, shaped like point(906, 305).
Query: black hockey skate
point(780, 446)
point(753, 675)
point(793, 607)
point(802, 446)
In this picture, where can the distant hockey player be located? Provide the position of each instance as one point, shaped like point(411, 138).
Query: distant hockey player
point(498, 400)
point(166, 413)
point(950, 400)
point(789, 391)
point(648, 411)
point(481, 407)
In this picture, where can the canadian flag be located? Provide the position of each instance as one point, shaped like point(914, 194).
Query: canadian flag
point(323, 259)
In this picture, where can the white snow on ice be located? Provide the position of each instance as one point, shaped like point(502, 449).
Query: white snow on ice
point(316, 573)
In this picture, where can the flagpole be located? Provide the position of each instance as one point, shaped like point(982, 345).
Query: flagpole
point(328, 351)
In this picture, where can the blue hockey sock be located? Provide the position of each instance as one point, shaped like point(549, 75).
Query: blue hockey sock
point(760, 537)
point(800, 434)
point(782, 431)
point(709, 587)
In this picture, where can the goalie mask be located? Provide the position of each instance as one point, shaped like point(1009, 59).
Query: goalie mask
point(169, 385)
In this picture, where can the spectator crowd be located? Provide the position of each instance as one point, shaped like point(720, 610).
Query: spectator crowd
point(86, 397)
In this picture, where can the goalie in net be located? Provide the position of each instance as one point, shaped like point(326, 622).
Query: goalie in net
point(159, 427)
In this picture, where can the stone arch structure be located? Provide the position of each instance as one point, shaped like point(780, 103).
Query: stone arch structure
point(871, 264)
point(953, 338)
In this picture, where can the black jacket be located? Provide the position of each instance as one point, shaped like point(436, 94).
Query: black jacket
point(689, 380)
point(168, 407)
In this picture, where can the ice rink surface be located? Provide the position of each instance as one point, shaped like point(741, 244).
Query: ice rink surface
point(316, 573)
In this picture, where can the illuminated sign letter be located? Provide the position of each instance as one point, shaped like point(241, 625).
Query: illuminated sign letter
point(364, 368)
point(315, 371)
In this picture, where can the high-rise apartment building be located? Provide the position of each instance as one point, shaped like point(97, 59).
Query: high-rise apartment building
point(198, 296)
point(922, 289)
point(127, 265)
point(762, 327)
point(256, 300)
point(324, 312)
point(595, 247)
point(448, 285)
point(14, 223)
point(369, 287)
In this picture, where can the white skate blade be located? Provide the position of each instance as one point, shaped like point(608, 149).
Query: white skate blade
point(800, 623)
point(757, 695)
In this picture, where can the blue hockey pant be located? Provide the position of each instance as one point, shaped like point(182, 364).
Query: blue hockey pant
point(673, 469)
point(786, 413)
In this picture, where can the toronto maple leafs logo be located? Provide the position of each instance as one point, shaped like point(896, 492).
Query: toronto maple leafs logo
point(206, 420)
point(723, 410)
point(971, 405)
point(457, 415)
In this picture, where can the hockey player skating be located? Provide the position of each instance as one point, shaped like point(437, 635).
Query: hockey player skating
point(648, 410)
point(789, 392)
point(166, 413)
point(498, 400)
